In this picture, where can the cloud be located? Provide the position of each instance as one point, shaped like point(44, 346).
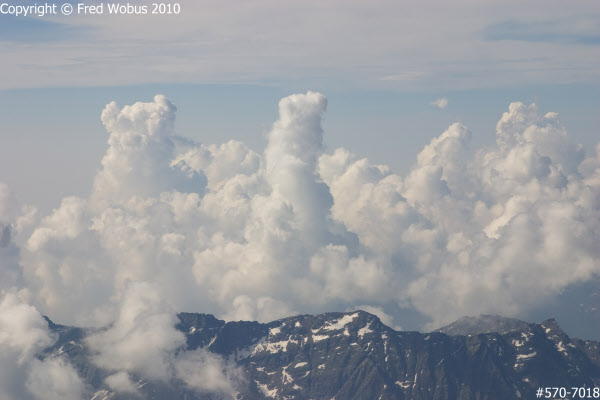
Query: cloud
point(379, 51)
point(519, 223)
point(54, 379)
point(206, 372)
point(24, 331)
point(142, 339)
point(138, 159)
point(24, 334)
point(223, 229)
point(121, 382)
point(440, 103)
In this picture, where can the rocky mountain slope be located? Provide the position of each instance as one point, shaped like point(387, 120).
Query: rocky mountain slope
point(355, 356)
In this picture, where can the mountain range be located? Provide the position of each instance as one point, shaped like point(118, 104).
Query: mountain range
point(355, 356)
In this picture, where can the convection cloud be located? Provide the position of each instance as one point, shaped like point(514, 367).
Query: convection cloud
point(172, 225)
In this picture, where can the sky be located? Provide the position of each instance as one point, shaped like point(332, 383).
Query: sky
point(259, 159)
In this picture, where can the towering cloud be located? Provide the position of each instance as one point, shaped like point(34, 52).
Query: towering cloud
point(141, 147)
point(223, 229)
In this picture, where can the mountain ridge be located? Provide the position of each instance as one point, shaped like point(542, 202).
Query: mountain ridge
point(353, 355)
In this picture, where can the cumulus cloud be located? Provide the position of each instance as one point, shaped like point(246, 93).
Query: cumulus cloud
point(220, 228)
point(440, 103)
point(138, 159)
point(517, 220)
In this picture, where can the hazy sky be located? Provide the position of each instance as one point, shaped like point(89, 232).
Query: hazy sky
point(396, 75)
point(385, 45)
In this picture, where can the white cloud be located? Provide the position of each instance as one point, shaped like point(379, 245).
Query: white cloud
point(144, 341)
point(440, 103)
point(121, 382)
point(24, 334)
point(524, 230)
point(66, 222)
point(138, 159)
point(297, 229)
point(143, 338)
point(221, 162)
point(206, 372)
point(54, 379)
